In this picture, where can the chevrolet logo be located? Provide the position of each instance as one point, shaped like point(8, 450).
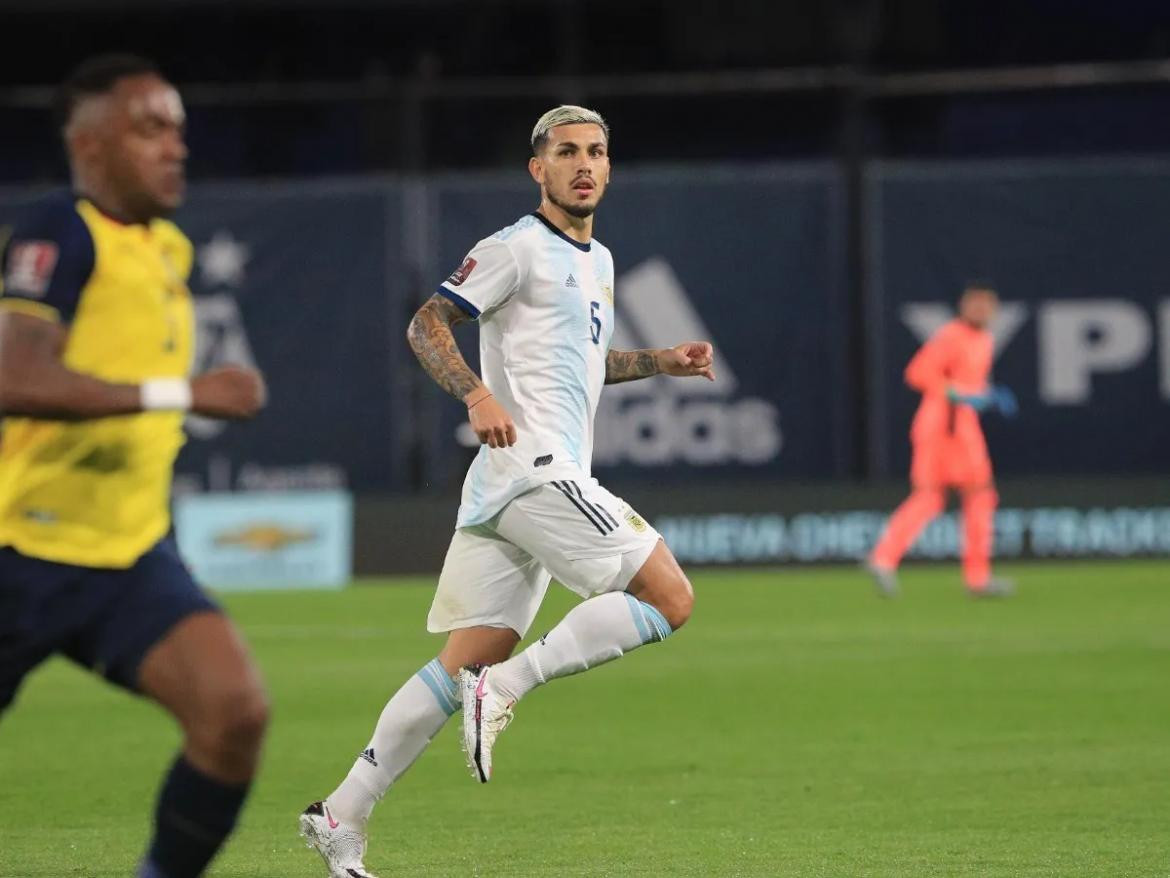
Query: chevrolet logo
point(264, 537)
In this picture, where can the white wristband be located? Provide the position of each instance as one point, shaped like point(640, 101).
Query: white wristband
point(166, 394)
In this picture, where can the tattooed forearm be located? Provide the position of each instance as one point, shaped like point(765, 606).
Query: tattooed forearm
point(431, 340)
point(629, 366)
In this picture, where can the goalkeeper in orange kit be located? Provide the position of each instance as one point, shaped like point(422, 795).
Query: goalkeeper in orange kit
point(951, 372)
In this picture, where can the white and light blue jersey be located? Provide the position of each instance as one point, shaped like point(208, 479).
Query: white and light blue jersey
point(544, 303)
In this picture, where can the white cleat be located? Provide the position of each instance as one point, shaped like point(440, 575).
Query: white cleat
point(994, 588)
point(340, 845)
point(485, 714)
point(885, 580)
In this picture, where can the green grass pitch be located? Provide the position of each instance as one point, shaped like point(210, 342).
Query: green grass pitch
point(798, 726)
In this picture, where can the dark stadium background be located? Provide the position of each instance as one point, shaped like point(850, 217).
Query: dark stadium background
point(816, 178)
point(808, 184)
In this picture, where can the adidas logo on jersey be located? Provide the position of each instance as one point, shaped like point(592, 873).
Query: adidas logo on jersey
point(571, 281)
point(368, 755)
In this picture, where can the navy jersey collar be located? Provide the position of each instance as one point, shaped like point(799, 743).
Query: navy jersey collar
point(584, 248)
point(114, 218)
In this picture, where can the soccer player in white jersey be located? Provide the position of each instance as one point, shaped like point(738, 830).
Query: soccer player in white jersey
point(542, 291)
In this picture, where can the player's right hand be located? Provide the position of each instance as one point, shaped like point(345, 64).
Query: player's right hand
point(492, 424)
point(228, 393)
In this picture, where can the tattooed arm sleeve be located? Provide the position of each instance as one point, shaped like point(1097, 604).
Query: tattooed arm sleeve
point(431, 340)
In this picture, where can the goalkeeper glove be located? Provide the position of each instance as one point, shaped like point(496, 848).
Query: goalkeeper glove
point(978, 401)
point(998, 397)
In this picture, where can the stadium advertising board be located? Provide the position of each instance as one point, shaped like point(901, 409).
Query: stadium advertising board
point(256, 540)
point(314, 284)
point(848, 535)
point(761, 524)
point(1077, 252)
point(296, 279)
point(748, 259)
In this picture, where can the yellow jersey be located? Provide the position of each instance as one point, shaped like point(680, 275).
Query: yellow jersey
point(96, 493)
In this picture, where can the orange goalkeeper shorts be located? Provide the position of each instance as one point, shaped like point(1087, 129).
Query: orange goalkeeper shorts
point(950, 461)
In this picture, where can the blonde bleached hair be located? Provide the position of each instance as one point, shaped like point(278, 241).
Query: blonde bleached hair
point(566, 114)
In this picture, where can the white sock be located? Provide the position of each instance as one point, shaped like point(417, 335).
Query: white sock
point(409, 720)
point(594, 632)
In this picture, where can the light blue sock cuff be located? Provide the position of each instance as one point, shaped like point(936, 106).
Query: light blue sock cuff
point(441, 686)
point(651, 624)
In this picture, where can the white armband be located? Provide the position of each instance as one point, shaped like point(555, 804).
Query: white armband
point(165, 394)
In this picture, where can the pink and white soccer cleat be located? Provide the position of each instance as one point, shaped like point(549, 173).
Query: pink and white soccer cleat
point(340, 845)
point(485, 714)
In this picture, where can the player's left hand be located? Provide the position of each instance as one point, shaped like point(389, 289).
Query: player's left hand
point(688, 359)
point(228, 393)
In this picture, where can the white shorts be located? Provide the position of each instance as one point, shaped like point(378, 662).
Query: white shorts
point(496, 573)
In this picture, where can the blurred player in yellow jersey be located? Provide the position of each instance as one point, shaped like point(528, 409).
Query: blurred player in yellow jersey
point(96, 341)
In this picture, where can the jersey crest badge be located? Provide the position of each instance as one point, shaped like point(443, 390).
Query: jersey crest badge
point(634, 520)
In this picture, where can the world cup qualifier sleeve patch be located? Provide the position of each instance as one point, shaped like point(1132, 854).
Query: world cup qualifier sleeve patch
point(30, 268)
point(462, 273)
point(47, 261)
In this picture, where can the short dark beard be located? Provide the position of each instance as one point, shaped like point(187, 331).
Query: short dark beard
point(580, 211)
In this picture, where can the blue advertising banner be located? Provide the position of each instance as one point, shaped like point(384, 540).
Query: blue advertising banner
point(1079, 256)
point(295, 539)
point(302, 281)
point(314, 283)
point(747, 258)
point(850, 535)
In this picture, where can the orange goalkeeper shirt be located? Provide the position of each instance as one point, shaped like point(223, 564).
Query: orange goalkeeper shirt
point(958, 355)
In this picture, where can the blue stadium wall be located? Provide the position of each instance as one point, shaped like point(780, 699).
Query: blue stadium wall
point(314, 282)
